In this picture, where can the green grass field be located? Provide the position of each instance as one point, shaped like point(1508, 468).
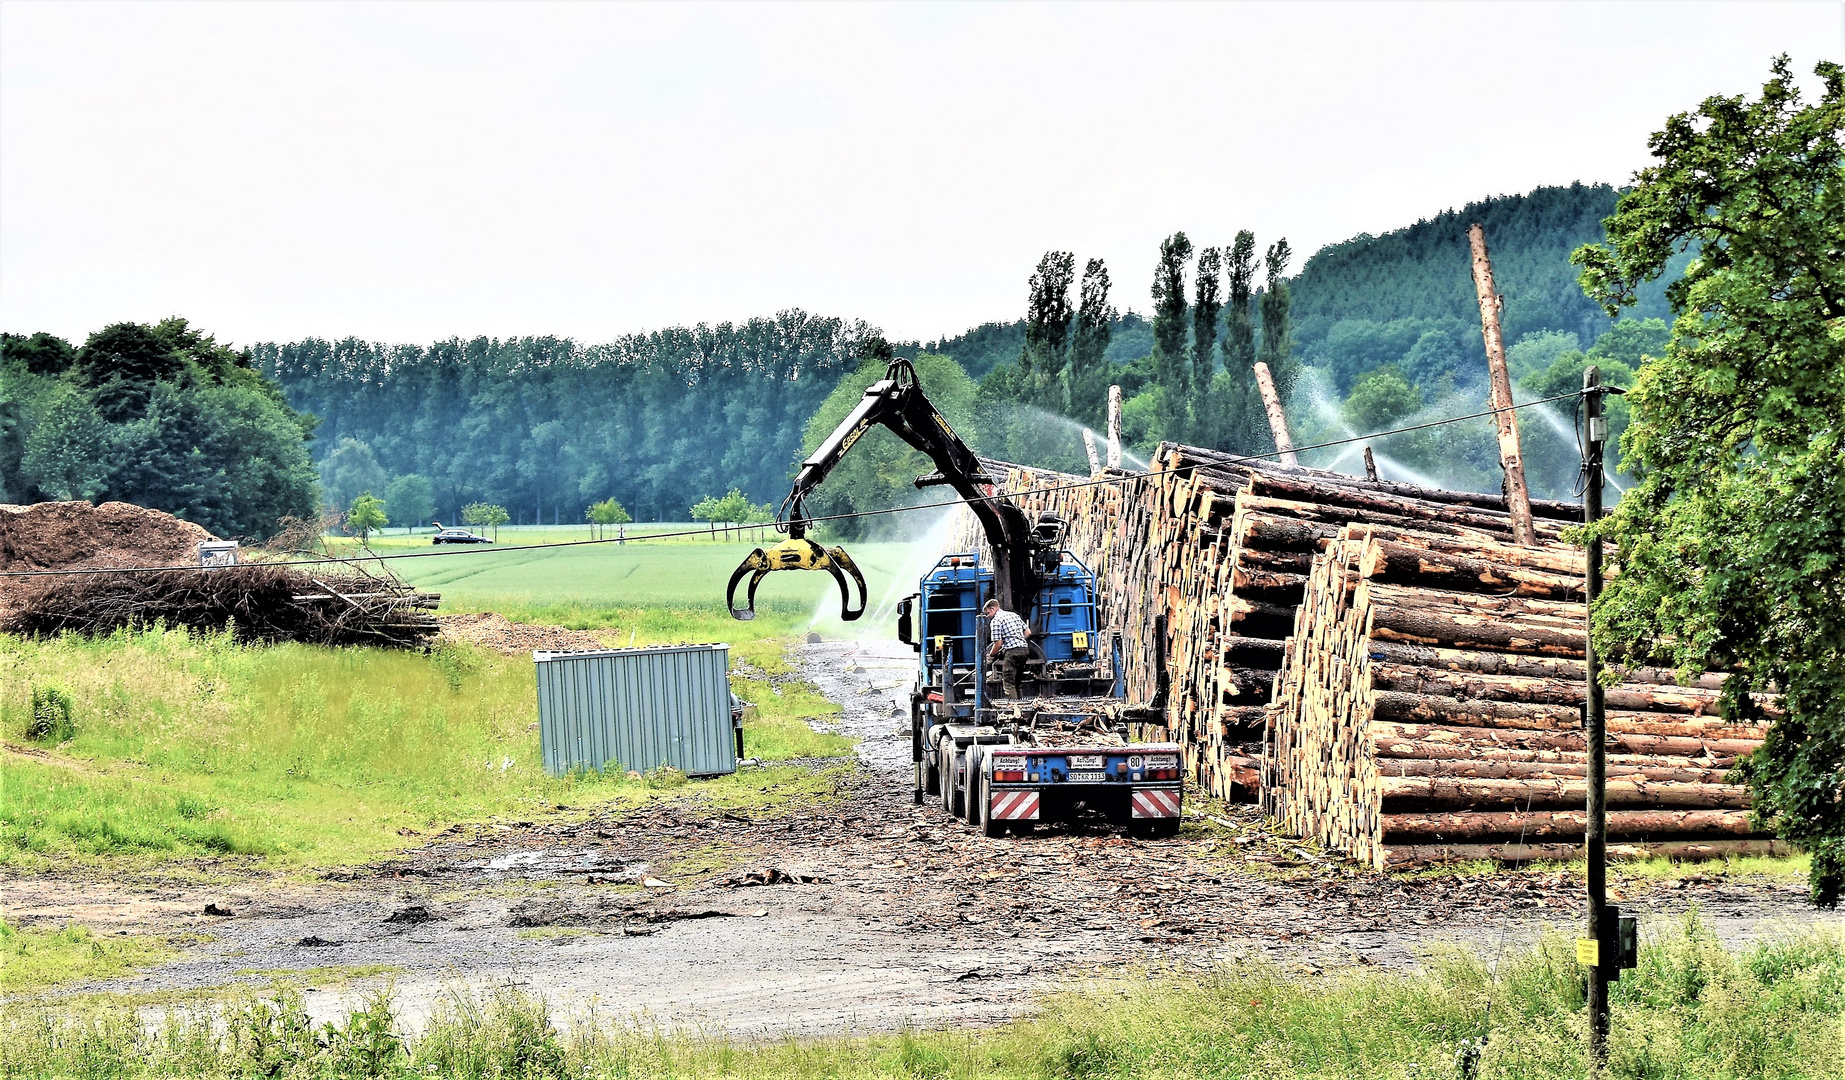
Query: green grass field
point(598, 585)
point(1690, 1011)
point(190, 744)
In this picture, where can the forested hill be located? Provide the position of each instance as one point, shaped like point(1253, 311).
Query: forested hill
point(545, 426)
point(1368, 301)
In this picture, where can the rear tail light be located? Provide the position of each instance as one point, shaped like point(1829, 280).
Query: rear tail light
point(1008, 770)
point(1163, 774)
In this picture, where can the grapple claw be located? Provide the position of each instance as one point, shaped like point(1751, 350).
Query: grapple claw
point(797, 553)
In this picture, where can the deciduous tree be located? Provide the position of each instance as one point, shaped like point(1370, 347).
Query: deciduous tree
point(1171, 362)
point(366, 514)
point(1732, 546)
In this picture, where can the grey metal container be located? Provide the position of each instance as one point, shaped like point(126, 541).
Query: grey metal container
point(637, 709)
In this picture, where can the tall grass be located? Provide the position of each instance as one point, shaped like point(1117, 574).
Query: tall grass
point(1692, 1011)
point(183, 743)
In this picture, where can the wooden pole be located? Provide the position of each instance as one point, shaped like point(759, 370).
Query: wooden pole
point(1594, 730)
point(1277, 420)
point(1518, 497)
point(1114, 427)
point(1095, 459)
point(1370, 466)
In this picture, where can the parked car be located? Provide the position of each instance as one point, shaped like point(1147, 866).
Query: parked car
point(458, 536)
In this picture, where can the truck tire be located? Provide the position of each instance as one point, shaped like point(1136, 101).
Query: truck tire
point(946, 768)
point(989, 826)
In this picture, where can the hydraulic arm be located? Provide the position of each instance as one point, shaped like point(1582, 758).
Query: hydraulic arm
point(898, 403)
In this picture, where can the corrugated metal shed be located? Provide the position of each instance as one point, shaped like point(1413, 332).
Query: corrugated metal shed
point(637, 709)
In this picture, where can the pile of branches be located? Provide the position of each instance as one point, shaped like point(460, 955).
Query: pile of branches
point(255, 601)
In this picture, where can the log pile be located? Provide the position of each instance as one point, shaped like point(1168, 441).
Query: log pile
point(1214, 569)
point(1430, 705)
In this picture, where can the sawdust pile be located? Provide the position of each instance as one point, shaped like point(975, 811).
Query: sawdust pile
point(497, 632)
point(65, 535)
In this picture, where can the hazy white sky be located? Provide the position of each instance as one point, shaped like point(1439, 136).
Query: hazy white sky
point(414, 171)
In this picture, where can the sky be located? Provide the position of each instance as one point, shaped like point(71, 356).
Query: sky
point(419, 171)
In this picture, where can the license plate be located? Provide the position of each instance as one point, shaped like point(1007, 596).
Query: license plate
point(1086, 761)
point(1088, 777)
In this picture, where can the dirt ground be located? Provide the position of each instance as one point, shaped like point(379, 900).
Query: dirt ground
point(875, 913)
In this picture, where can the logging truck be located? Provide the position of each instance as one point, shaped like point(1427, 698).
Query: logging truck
point(1060, 751)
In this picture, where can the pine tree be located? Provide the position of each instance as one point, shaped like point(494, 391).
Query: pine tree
point(1171, 367)
point(1087, 382)
point(1047, 330)
point(1240, 425)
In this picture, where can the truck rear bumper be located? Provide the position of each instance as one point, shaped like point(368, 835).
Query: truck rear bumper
point(1065, 802)
point(1154, 803)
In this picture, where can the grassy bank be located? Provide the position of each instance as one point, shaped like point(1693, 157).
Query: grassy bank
point(1690, 1011)
point(188, 744)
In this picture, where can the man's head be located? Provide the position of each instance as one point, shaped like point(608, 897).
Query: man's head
point(992, 606)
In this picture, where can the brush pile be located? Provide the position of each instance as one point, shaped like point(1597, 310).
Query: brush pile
point(140, 568)
point(256, 601)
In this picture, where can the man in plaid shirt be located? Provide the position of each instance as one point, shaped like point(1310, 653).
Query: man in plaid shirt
point(1008, 635)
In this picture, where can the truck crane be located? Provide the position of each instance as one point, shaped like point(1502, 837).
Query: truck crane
point(1058, 754)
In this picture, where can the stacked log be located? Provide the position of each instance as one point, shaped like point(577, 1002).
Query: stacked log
point(1430, 708)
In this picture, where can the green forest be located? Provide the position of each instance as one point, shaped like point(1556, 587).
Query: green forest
point(1367, 334)
point(160, 415)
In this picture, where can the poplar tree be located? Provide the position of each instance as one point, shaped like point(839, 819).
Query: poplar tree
point(1170, 363)
point(1087, 383)
point(1206, 306)
point(1277, 335)
point(1240, 424)
point(1047, 330)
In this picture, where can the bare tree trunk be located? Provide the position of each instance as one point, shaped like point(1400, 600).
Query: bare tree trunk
point(1277, 420)
point(1095, 459)
point(1114, 427)
point(1518, 497)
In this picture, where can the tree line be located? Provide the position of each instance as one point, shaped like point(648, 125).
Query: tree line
point(159, 415)
point(545, 427)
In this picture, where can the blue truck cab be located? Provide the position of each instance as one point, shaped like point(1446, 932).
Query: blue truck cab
point(992, 761)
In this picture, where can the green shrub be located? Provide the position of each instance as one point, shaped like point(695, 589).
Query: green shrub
point(51, 715)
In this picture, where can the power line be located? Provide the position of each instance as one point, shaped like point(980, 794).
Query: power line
point(1092, 482)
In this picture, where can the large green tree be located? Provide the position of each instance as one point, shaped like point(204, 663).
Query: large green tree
point(1171, 362)
point(1047, 331)
point(1240, 425)
point(1732, 546)
point(1207, 305)
point(1087, 392)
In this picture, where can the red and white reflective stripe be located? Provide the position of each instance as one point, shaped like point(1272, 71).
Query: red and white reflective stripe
point(1156, 802)
point(1014, 806)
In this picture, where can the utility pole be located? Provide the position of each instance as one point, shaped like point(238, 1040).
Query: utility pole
point(1597, 953)
point(1511, 459)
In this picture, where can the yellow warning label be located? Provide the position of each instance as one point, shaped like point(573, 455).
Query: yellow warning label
point(1589, 953)
point(1079, 640)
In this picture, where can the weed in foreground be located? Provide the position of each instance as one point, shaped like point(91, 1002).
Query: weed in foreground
point(1691, 1011)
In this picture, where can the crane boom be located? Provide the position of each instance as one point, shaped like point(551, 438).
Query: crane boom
point(898, 403)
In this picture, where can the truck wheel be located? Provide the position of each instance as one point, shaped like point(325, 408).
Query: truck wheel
point(946, 783)
point(989, 825)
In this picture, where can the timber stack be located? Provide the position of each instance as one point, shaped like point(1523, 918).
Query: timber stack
point(1430, 709)
point(1219, 573)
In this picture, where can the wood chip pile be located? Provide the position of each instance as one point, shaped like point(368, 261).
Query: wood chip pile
point(1430, 709)
point(1203, 564)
